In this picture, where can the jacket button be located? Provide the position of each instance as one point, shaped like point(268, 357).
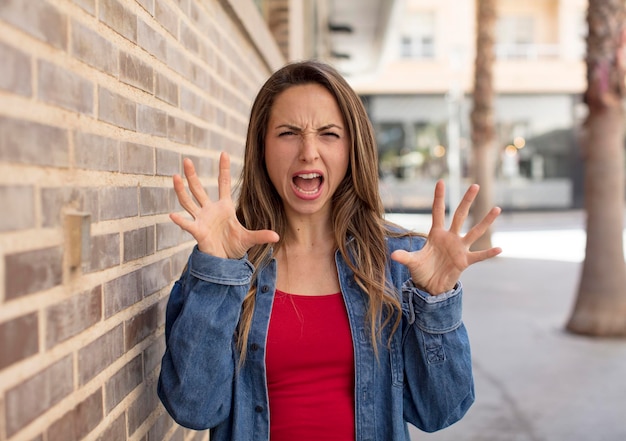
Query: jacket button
point(254, 347)
point(258, 409)
point(265, 288)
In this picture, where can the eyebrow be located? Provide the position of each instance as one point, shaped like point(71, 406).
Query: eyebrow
point(296, 128)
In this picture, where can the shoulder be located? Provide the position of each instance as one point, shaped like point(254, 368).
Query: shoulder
point(399, 238)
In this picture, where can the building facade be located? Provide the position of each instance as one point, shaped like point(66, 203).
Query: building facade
point(420, 99)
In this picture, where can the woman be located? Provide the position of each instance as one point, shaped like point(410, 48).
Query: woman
point(302, 314)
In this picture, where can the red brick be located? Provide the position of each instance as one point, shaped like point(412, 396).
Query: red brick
point(152, 356)
point(95, 152)
point(53, 200)
point(156, 276)
point(15, 71)
point(19, 200)
point(178, 129)
point(201, 77)
point(120, 19)
point(177, 60)
point(65, 89)
point(183, 5)
point(38, 18)
point(169, 235)
point(29, 142)
point(154, 200)
point(136, 158)
point(205, 52)
point(34, 396)
point(193, 103)
point(151, 121)
point(123, 382)
point(166, 90)
point(117, 110)
point(160, 427)
point(200, 137)
point(78, 422)
point(88, 5)
point(122, 292)
point(148, 5)
point(100, 353)
point(140, 326)
point(150, 40)
point(200, 435)
point(72, 316)
point(136, 73)
point(139, 243)
point(205, 167)
point(201, 18)
point(220, 117)
point(179, 434)
point(104, 253)
point(118, 202)
point(19, 339)
point(142, 407)
point(167, 163)
point(161, 311)
point(116, 430)
point(166, 17)
point(33, 271)
point(93, 49)
point(179, 260)
point(188, 38)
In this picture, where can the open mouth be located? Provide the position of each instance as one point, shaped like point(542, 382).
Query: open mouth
point(308, 183)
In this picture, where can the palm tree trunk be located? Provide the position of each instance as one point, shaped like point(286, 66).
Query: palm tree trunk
point(482, 116)
point(600, 307)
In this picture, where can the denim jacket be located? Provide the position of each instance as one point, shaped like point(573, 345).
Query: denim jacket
point(422, 374)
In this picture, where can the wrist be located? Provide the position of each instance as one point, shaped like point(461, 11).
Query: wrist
point(434, 290)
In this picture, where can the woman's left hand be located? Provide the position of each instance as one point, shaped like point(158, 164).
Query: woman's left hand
point(437, 267)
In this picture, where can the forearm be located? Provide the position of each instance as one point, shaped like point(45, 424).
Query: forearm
point(439, 385)
point(197, 369)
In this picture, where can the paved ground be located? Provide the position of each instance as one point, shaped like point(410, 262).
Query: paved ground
point(534, 381)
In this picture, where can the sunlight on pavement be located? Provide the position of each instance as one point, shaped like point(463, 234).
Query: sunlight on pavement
point(563, 245)
point(566, 245)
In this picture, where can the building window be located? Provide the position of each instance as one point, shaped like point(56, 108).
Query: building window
point(417, 37)
point(515, 37)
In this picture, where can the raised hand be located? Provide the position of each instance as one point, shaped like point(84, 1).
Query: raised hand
point(437, 267)
point(214, 225)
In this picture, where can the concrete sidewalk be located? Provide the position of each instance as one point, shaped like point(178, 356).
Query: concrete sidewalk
point(534, 381)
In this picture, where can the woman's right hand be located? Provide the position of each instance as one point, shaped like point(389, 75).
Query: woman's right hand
point(214, 225)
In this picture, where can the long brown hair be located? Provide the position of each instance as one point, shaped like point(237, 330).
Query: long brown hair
point(357, 210)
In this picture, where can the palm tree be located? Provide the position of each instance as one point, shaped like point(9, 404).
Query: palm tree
point(482, 115)
point(600, 308)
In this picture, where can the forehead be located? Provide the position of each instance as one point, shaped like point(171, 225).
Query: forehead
point(305, 101)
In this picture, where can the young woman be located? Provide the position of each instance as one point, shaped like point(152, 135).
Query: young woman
point(302, 314)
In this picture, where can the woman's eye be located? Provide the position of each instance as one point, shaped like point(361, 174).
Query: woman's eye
point(332, 134)
point(286, 133)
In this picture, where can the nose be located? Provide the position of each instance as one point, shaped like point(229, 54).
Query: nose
point(308, 148)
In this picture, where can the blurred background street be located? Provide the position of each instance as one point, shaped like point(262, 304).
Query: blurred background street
point(534, 381)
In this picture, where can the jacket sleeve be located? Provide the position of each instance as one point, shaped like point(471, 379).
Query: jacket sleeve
point(439, 386)
point(438, 380)
point(203, 310)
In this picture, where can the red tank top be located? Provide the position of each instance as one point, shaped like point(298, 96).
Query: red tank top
point(310, 369)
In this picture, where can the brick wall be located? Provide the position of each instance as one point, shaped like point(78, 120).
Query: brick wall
point(99, 102)
point(276, 13)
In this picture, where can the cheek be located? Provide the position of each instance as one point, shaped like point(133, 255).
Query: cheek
point(343, 158)
point(275, 170)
